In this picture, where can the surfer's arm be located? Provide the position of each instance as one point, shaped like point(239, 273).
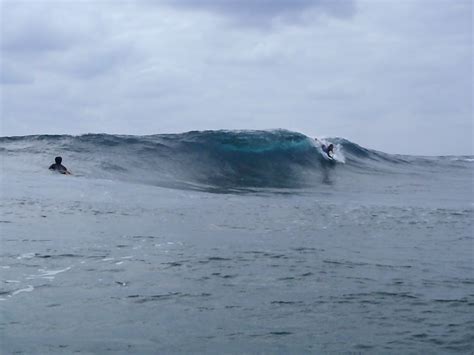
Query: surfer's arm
point(66, 172)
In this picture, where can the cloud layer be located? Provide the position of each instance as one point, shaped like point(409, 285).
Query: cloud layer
point(392, 76)
point(262, 13)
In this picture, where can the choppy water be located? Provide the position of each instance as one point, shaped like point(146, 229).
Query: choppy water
point(232, 242)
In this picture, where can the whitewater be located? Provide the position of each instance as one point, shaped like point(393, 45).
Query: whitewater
point(232, 242)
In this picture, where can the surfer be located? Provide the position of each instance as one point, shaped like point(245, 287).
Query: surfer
point(59, 167)
point(328, 149)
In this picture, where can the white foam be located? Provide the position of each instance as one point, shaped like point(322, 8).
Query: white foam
point(48, 274)
point(28, 289)
point(12, 281)
point(26, 256)
point(338, 154)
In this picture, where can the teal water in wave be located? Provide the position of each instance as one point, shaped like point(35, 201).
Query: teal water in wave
point(233, 242)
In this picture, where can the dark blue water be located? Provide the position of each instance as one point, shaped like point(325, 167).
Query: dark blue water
point(232, 242)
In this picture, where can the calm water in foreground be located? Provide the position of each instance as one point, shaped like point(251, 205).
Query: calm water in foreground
point(374, 263)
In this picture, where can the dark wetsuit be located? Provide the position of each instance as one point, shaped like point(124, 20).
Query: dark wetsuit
point(59, 168)
point(326, 150)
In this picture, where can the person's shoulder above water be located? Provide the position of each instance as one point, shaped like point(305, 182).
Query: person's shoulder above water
point(57, 166)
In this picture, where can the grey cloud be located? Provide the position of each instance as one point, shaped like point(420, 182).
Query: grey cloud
point(34, 28)
point(264, 12)
point(46, 38)
point(95, 61)
point(35, 37)
point(333, 92)
point(11, 75)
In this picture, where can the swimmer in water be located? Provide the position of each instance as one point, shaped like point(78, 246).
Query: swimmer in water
point(59, 167)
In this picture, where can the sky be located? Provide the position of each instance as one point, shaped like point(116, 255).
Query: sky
point(395, 76)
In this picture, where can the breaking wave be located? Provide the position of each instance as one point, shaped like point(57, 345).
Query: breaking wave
point(212, 159)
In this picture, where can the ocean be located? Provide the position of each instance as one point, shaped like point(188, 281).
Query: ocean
point(231, 242)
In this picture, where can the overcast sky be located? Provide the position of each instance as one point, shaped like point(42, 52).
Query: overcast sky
point(391, 75)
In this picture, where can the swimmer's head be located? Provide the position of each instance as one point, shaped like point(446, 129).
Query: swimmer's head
point(58, 160)
point(331, 147)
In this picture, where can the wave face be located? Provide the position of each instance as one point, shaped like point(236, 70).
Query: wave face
point(215, 160)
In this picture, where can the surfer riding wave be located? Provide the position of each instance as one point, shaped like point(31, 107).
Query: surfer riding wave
point(328, 149)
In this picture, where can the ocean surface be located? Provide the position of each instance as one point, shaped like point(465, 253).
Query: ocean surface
point(229, 242)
